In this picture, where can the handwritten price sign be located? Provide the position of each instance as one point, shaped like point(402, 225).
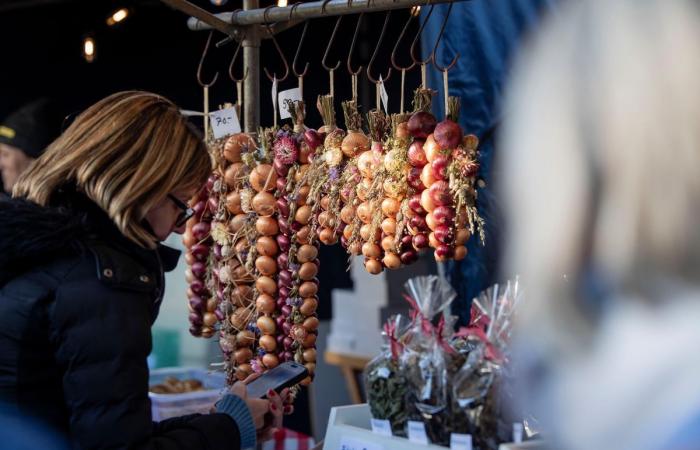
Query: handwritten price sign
point(225, 122)
point(347, 443)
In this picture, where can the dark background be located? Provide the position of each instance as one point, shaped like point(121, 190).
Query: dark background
point(154, 50)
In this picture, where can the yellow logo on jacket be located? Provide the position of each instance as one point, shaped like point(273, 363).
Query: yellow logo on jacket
point(7, 132)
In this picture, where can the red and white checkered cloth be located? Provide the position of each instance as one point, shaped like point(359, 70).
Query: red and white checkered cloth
point(285, 439)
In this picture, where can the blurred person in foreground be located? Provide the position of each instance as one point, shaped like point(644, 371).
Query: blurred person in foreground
point(602, 191)
point(24, 135)
point(81, 282)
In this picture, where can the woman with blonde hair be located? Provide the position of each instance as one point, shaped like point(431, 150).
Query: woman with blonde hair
point(81, 281)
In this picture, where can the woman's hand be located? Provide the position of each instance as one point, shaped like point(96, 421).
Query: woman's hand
point(278, 408)
point(258, 407)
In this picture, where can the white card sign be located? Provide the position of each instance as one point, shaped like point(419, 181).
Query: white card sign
point(382, 427)
point(384, 95)
point(518, 432)
point(416, 432)
point(460, 441)
point(224, 122)
point(290, 94)
point(274, 93)
point(347, 443)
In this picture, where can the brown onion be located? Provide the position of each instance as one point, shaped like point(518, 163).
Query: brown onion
point(267, 226)
point(307, 253)
point(308, 289)
point(270, 360)
point(264, 203)
point(237, 223)
point(308, 271)
point(309, 306)
point(460, 252)
point(234, 173)
point(303, 214)
point(263, 178)
point(390, 206)
point(371, 250)
point(268, 343)
point(328, 236)
point(364, 212)
point(462, 236)
point(309, 355)
point(310, 323)
point(388, 243)
point(266, 324)
point(389, 225)
point(373, 266)
point(243, 355)
point(266, 265)
point(304, 234)
point(265, 304)
point(245, 338)
point(266, 246)
point(391, 260)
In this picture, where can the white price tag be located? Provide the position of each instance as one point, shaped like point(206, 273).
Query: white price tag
point(224, 122)
point(517, 433)
point(460, 441)
point(290, 94)
point(347, 443)
point(382, 427)
point(384, 95)
point(416, 432)
point(274, 93)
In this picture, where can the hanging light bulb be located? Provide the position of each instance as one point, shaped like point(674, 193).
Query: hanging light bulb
point(118, 16)
point(415, 11)
point(219, 2)
point(281, 3)
point(89, 50)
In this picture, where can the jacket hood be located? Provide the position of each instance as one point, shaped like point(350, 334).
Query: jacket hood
point(30, 233)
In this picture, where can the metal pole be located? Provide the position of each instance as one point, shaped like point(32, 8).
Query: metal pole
point(251, 84)
point(309, 10)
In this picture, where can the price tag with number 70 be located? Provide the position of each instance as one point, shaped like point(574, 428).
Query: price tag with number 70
point(225, 122)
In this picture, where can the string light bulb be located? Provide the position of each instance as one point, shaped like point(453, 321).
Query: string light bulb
point(118, 16)
point(89, 50)
point(281, 3)
point(219, 2)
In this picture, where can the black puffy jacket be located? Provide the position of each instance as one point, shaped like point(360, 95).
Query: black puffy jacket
point(77, 301)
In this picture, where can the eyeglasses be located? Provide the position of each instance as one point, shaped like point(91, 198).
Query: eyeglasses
point(186, 212)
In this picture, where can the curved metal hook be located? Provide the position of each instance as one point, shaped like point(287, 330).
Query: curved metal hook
point(291, 11)
point(415, 40)
point(328, 48)
point(376, 50)
point(277, 47)
point(396, 46)
point(296, 55)
point(233, 61)
point(434, 54)
point(201, 63)
point(352, 48)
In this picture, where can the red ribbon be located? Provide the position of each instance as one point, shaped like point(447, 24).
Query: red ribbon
point(396, 347)
point(492, 353)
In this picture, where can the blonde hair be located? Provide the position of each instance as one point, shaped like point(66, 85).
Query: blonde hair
point(126, 153)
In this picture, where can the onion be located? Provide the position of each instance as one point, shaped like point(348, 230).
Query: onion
point(354, 143)
point(243, 355)
point(420, 241)
point(328, 236)
point(426, 201)
point(373, 266)
point(309, 355)
point(197, 304)
point(371, 250)
point(199, 269)
point(210, 182)
point(418, 223)
point(266, 325)
point(281, 184)
point(237, 223)
point(234, 173)
point(364, 212)
point(426, 176)
point(236, 144)
point(390, 206)
point(285, 278)
point(305, 153)
point(421, 124)
point(443, 252)
point(401, 131)
point(431, 148)
point(242, 295)
point(188, 239)
point(201, 231)
point(284, 292)
point(283, 260)
point(430, 221)
point(391, 260)
point(462, 236)
point(195, 319)
point(286, 310)
point(439, 166)
point(307, 253)
point(366, 164)
point(334, 139)
point(308, 289)
point(233, 202)
point(266, 246)
point(389, 225)
point(267, 226)
point(325, 219)
point(303, 214)
point(209, 319)
point(310, 323)
point(307, 271)
point(303, 194)
point(444, 234)
point(416, 154)
point(266, 265)
point(287, 327)
point(309, 306)
point(268, 343)
point(288, 342)
point(281, 169)
point(347, 231)
point(388, 243)
point(265, 304)
point(309, 341)
point(199, 208)
point(198, 287)
point(200, 252)
point(460, 252)
point(440, 193)
point(270, 360)
point(448, 134)
point(264, 203)
point(444, 215)
point(263, 178)
point(409, 257)
point(312, 139)
point(266, 285)
point(195, 331)
point(414, 178)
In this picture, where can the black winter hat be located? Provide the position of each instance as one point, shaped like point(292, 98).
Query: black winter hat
point(32, 127)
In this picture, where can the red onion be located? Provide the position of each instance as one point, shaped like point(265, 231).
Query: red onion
point(418, 222)
point(219, 314)
point(281, 302)
point(283, 293)
point(195, 331)
point(199, 208)
point(444, 234)
point(285, 276)
point(409, 257)
point(286, 310)
point(281, 184)
point(444, 215)
point(213, 204)
point(420, 241)
point(197, 303)
point(217, 251)
point(220, 294)
point(440, 193)
point(201, 231)
point(443, 251)
point(283, 225)
point(448, 134)
point(210, 182)
point(281, 168)
point(197, 287)
point(416, 154)
point(343, 241)
point(195, 319)
point(283, 260)
point(283, 242)
point(288, 342)
point(199, 269)
point(406, 243)
point(439, 166)
point(286, 327)
point(312, 138)
point(282, 206)
point(280, 323)
point(200, 251)
point(414, 178)
point(280, 339)
point(288, 356)
point(421, 124)
point(414, 204)
point(296, 226)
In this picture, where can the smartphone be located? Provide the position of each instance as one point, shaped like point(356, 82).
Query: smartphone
point(285, 375)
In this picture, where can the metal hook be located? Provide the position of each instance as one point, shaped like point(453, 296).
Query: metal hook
point(277, 47)
point(291, 11)
point(434, 54)
point(328, 48)
point(201, 63)
point(376, 50)
point(233, 61)
point(415, 40)
point(296, 55)
point(352, 47)
point(396, 46)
